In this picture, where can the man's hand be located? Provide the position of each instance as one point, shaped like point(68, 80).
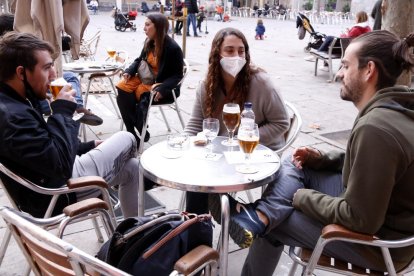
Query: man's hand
point(67, 93)
point(304, 154)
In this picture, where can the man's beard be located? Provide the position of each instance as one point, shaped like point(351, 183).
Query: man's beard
point(351, 92)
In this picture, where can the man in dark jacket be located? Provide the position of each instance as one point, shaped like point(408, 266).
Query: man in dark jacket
point(192, 10)
point(367, 189)
point(49, 153)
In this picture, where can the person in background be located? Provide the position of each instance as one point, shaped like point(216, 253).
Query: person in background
point(376, 14)
point(220, 11)
point(192, 10)
point(94, 4)
point(260, 30)
point(231, 77)
point(359, 28)
point(359, 188)
point(200, 18)
point(178, 13)
point(89, 118)
point(165, 57)
point(48, 153)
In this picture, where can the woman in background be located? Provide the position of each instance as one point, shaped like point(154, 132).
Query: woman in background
point(165, 58)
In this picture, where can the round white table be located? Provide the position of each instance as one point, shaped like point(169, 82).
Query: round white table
point(193, 172)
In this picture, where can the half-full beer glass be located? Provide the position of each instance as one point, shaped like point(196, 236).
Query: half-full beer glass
point(57, 85)
point(231, 119)
point(248, 137)
point(111, 53)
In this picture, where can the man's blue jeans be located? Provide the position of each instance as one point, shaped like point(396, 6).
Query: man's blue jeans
point(191, 19)
point(288, 226)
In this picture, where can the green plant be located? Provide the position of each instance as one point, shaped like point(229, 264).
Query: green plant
point(330, 5)
point(308, 6)
point(346, 8)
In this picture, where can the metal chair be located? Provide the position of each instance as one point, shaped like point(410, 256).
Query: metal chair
point(49, 255)
point(173, 105)
point(8, 178)
point(121, 59)
point(333, 232)
point(294, 129)
point(89, 47)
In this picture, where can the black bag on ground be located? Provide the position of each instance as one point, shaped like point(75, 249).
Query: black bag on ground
point(151, 245)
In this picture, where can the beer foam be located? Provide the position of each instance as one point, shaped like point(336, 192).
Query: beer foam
point(248, 138)
point(231, 109)
point(59, 82)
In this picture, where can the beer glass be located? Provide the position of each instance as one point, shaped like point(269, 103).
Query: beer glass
point(57, 85)
point(231, 119)
point(248, 137)
point(211, 128)
point(111, 53)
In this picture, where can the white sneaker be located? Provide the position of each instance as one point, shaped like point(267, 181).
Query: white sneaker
point(310, 58)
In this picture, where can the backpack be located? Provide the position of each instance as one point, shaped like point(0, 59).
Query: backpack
point(151, 245)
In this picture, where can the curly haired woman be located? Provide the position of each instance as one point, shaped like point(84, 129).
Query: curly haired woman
point(232, 78)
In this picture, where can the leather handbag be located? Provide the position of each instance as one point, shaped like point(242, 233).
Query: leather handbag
point(145, 73)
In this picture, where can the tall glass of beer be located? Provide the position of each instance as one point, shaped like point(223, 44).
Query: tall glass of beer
point(248, 137)
point(57, 85)
point(231, 119)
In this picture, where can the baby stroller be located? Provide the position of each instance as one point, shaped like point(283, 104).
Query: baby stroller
point(124, 21)
point(316, 39)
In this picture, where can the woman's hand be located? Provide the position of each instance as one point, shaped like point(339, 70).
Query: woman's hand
point(304, 154)
point(126, 77)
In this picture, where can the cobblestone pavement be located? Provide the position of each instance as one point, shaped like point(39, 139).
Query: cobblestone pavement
point(327, 119)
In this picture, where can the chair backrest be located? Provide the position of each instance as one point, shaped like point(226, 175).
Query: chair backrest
point(49, 255)
point(89, 47)
point(294, 129)
point(53, 201)
point(9, 180)
point(345, 41)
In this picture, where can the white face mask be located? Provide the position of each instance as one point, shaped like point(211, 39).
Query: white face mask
point(232, 65)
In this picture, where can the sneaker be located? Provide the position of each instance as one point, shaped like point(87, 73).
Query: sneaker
point(196, 35)
point(244, 225)
point(188, 34)
point(310, 58)
point(88, 117)
point(178, 33)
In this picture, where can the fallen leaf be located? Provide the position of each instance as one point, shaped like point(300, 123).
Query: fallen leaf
point(315, 126)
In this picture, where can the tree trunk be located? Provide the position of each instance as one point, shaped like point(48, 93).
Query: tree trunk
point(398, 18)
